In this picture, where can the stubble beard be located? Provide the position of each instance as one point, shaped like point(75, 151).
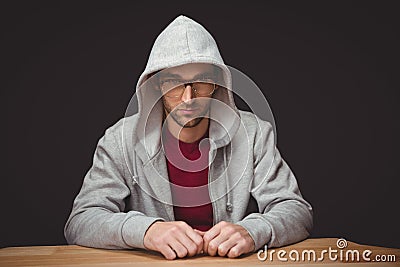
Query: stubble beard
point(185, 121)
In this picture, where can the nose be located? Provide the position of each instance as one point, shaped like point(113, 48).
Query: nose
point(188, 93)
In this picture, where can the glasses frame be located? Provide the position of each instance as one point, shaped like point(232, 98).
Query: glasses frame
point(193, 86)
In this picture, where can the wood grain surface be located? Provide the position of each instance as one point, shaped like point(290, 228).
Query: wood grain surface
point(82, 256)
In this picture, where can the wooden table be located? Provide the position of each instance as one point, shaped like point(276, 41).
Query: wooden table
point(82, 256)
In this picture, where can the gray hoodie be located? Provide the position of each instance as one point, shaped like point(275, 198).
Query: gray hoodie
point(127, 188)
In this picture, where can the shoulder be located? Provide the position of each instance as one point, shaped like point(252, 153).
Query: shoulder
point(127, 123)
point(253, 123)
point(260, 132)
point(115, 135)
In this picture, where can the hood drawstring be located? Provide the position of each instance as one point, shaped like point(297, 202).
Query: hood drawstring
point(134, 175)
point(229, 205)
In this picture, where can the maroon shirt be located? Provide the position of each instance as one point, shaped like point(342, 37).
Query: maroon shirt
point(187, 169)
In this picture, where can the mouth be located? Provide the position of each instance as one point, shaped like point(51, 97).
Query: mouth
point(188, 111)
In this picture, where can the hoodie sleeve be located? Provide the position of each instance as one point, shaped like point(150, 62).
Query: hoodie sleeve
point(98, 218)
point(285, 217)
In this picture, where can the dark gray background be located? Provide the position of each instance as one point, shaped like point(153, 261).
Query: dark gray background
point(329, 69)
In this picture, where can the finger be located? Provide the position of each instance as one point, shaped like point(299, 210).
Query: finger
point(237, 250)
point(167, 252)
point(197, 238)
point(225, 246)
point(215, 243)
point(184, 239)
point(210, 235)
point(199, 232)
point(179, 249)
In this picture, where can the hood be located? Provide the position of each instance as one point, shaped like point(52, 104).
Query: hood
point(183, 41)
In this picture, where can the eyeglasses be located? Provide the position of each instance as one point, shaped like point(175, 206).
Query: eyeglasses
point(175, 88)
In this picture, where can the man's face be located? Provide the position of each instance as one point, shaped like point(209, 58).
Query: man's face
point(187, 110)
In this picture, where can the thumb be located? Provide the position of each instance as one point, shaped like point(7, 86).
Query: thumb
point(199, 232)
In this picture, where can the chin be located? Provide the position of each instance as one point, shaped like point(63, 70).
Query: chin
point(190, 123)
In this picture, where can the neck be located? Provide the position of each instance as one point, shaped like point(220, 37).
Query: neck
point(187, 135)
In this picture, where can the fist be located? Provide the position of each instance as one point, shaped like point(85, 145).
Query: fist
point(173, 239)
point(227, 239)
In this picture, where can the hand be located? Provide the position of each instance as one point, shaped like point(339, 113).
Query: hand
point(227, 239)
point(173, 239)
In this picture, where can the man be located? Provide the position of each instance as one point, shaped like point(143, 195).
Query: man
point(164, 178)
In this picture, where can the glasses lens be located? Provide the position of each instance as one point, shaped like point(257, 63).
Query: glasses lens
point(203, 89)
point(175, 88)
point(174, 91)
